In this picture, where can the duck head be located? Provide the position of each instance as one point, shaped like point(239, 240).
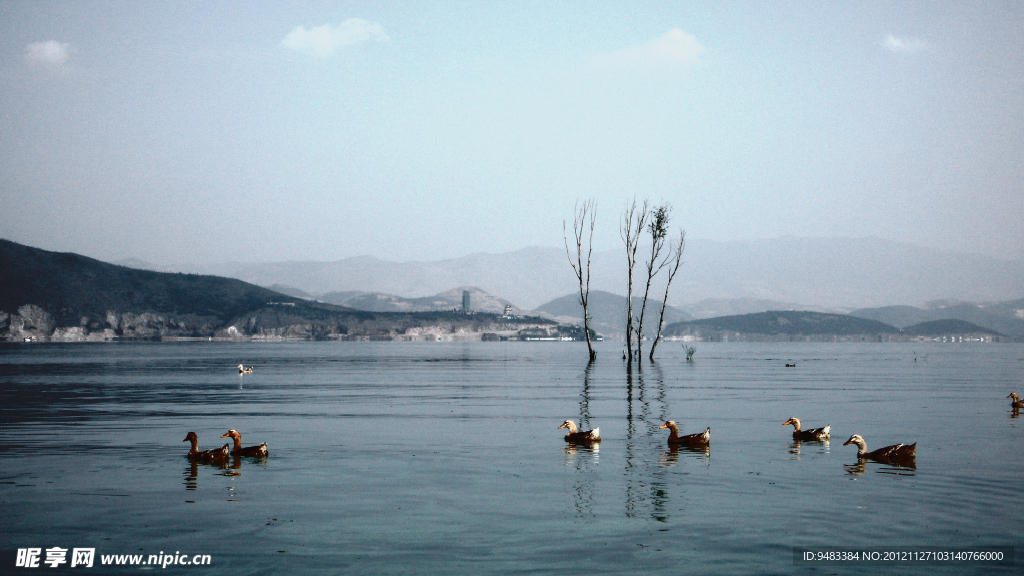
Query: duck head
point(570, 425)
point(1014, 396)
point(794, 421)
point(671, 425)
point(191, 437)
point(858, 440)
point(233, 434)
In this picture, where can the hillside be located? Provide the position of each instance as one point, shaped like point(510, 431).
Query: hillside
point(782, 325)
point(945, 327)
point(66, 296)
point(821, 327)
point(1003, 317)
point(70, 287)
point(714, 307)
point(480, 301)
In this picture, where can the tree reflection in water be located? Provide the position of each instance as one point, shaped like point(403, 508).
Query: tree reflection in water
point(647, 491)
point(584, 458)
point(648, 459)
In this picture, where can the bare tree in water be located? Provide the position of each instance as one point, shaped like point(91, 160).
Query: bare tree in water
point(657, 227)
point(633, 222)
point(583, 217)
point(677, 251)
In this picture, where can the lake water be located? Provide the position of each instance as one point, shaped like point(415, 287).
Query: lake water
point(445, 458)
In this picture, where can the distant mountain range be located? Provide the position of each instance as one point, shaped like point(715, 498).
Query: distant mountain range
point(51, 292)
point(834, 274)
point(608, 310)
point(861, 276)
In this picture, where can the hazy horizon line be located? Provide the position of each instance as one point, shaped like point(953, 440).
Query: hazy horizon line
point(537, 246)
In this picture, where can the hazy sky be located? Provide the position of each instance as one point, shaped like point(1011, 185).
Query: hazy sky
point(198, 131)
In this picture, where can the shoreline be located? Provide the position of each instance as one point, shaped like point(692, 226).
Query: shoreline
point(514, 337)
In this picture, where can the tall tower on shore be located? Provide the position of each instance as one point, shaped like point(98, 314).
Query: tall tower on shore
point(465, 300)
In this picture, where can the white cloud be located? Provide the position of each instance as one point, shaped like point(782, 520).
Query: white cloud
point(325, 40)
point(674, 48)
point(905, 45)
point(49, 53)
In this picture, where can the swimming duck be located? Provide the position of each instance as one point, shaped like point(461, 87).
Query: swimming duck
point(581, 436)
point(887, 454)
point(1017, 403)
point(243, 370)
point(823, 433)
point(257, 451)
point(195, 453)
point(702, 439)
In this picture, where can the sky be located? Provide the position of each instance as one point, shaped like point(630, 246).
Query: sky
point(266, 131)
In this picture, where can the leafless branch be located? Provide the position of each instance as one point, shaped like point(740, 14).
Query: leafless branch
point(632, 225)
point(581, 214)
point(677, 251)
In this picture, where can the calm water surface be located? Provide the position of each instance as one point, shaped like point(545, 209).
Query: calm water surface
point(424, 458)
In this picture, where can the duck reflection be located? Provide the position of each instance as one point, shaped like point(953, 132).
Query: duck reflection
point(798, 447)
point(225, 467)
point(233, 470)
point(900, 467)
point(590, 450)
point(191, 475)
point(670, 457)
point(1015, 413)
point(858, 469)
point(907, 468)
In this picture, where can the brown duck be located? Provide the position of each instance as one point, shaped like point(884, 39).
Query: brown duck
point(701, 439)
point(1017, 403)
point(823, 433)
point(195, 453)
point(888, 454)
point(581, 435)
point(257, 451)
